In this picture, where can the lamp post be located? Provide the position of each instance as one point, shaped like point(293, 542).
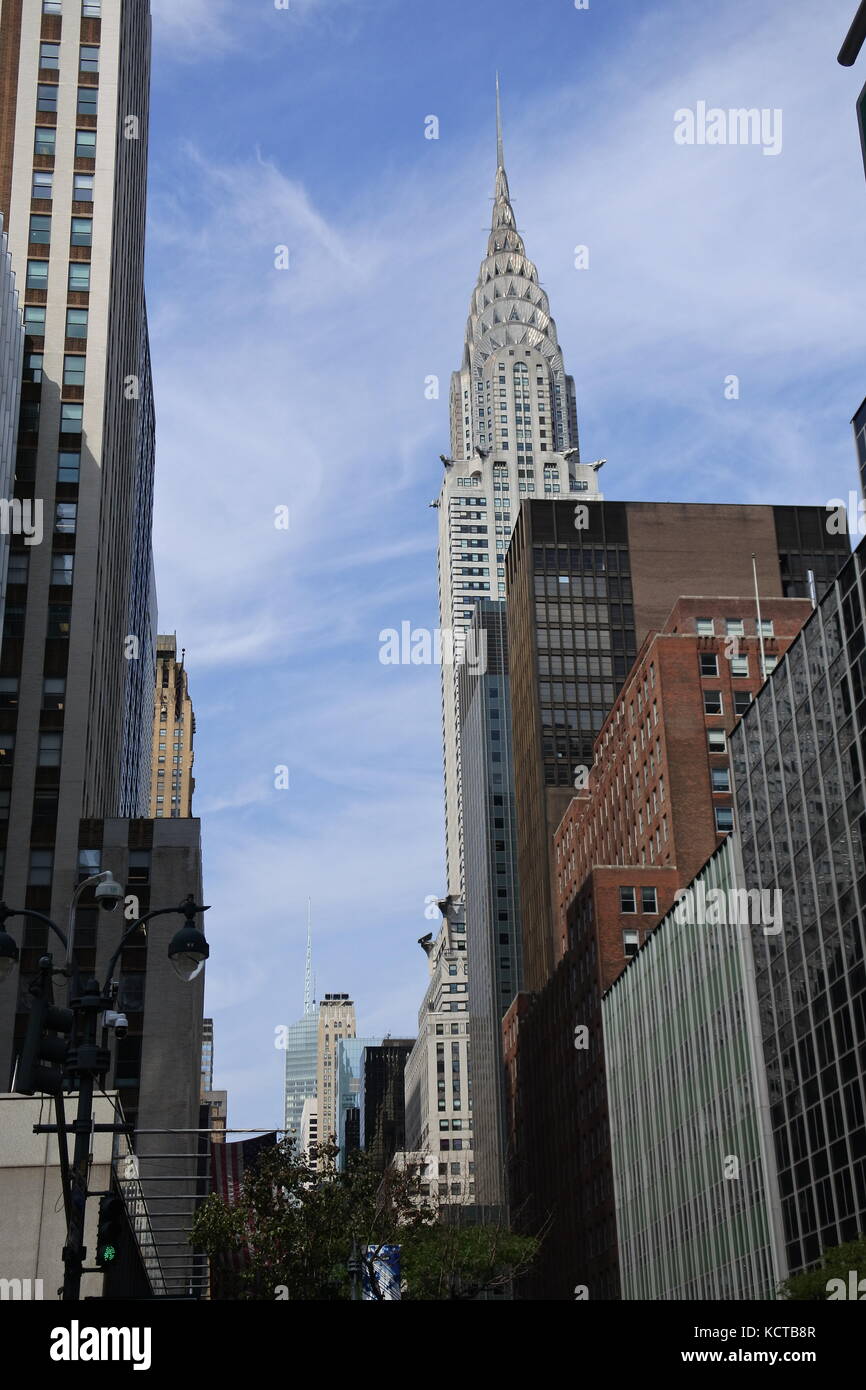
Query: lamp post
point(81, 1058)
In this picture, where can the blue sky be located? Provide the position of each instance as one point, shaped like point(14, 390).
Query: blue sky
point(304, 387)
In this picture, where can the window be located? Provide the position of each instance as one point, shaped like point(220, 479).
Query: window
point(5, 798)
point(43, 180)
point(88, 98)
point(76, 323)
point(37, 275)
point(724, 819)
point(59, 620)
point(8, 692)
point(71, 418)
point(66, 517)
point(46, 98)
point(739, 666)
point(742, 700)
point(82, 188)
point(50, 745)
point(79, 276)
point(705, 627)
point(34, 320)
point(41, 865)
point(33, 367)
point(73, 370)
point(139, 866)
point(19, 564)
point(7, 749)
point(85, 144)
point(82, 231)
point(68, 466)
point(91, 9)
point(630, 942)
point(648, 901)
point(765, 627)
point(89, 863)
point(53, 693)
point(52, 7)
point(712, 702)
point(46, 137)
point(717, 740)
point(770, 664)
point(735, 627)
point(49, 55)
point(709, 664)
point(61, 568)
point(721, 779)
point(89, 61)
point(627, 900)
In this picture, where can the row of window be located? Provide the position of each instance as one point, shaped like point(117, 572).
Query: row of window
point(53, 692)
point(713, 703)
point(85, 140)
point(61, 567)
point(43, 186)
point(49, 59)
point(73, 369)
point(34, 321)
point(734, 627)
point(79, 276)
point(48, 753)
point(71, 417)
point(90, 9)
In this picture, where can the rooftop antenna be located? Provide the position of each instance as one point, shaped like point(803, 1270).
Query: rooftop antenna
point(308, 966)
point(500, 156)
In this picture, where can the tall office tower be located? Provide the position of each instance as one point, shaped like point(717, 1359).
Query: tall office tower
point(74, 92)
point(382, 1130)
point(848, 55)
point(858, 424)
point(697, 1199)
point(581, 600)
point(135, 791)
point(437, 1076)
point(302, 1050)
point(348, 1071)
point(492, 896)
point(658, 803)
point(171, 750)
point(206, 1055)
point(513, 435)
point(799, 770)
point(336, 1022)
point(11, 361)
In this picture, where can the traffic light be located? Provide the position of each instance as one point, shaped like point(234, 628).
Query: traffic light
point(46, 1042)
point(109, 1229)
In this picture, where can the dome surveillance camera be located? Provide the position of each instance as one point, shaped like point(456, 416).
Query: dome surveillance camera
point(109, 894)
point(119, 1022)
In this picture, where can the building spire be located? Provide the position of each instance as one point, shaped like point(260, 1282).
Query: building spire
point(308, 966)
point(500, 156)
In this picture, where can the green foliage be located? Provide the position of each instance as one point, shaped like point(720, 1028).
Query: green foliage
point(296, 1225)
point(837, 1263)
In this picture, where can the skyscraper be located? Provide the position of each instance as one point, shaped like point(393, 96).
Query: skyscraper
point(336, 1022)
point(513, 435)
point(437, 1075)
point(171, 752)
point(74, 92)
point(302, 1050)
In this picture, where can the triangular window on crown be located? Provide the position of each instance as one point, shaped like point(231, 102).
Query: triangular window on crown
point(515, 317)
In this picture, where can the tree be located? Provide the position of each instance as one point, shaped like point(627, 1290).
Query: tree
point(815, 1285)
point(297, 1223)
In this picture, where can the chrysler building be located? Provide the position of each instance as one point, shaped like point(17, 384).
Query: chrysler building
point(513, 436)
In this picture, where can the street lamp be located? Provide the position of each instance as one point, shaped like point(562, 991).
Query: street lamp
point(68, 1038)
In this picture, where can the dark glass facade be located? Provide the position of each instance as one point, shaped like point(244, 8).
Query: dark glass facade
point(382, 1096)
point(798, 762)
point(859, 426)
point(492, 899)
